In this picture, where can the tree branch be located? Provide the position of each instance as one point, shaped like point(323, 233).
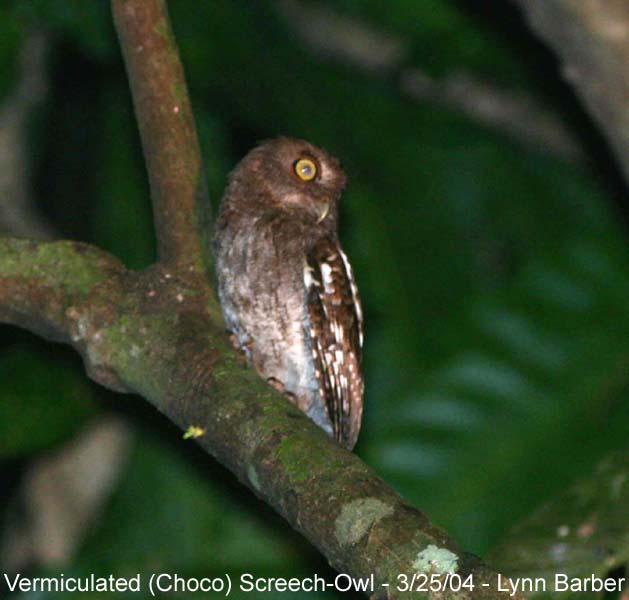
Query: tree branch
point(592, 39)
point(181, 206)
point(160, 333)
point(41, 281)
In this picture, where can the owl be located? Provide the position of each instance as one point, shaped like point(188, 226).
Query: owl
point(286, 287)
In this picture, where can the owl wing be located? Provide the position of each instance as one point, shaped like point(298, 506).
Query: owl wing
point(336, 333)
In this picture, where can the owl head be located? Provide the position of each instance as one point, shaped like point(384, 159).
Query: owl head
point(287, 174)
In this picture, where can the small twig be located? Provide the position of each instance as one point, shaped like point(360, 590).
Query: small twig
point(181, 206)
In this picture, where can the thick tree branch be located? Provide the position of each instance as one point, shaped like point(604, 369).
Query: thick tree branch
point(181, 207)
point(160, 333)
point(592, 40)
point(41, 281)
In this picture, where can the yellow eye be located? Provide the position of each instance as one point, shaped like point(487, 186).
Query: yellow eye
point(305, 169)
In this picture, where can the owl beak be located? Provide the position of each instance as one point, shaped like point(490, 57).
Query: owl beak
point(323, 205)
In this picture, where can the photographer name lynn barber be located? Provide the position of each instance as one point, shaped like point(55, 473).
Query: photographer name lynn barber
point(159, 583)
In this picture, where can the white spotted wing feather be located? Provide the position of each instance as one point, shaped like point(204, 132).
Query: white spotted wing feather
point(336, 337)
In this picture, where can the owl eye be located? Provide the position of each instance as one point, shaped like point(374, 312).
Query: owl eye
point(305, 169)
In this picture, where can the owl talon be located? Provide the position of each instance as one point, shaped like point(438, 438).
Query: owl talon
point(281, 388)
point(244, 350)
point(233, 338)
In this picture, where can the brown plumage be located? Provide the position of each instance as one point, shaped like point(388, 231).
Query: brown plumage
point(286, 287)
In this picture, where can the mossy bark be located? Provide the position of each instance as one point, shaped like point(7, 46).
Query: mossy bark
point(159, 333)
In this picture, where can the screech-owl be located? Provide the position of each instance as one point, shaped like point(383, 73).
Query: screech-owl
point(286, 287)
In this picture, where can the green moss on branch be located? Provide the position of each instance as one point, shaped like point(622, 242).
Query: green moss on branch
point(40, 281)
point(159, 333)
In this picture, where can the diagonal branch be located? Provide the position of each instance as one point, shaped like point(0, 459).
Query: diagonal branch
point(181, 206)
point(159, 333)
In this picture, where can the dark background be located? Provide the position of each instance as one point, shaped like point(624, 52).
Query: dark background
point(483, 217)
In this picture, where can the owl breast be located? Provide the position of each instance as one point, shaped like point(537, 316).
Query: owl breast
point(260, 267)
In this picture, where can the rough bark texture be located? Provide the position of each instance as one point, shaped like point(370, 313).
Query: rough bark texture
point(591, 38)
point(160, 333)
